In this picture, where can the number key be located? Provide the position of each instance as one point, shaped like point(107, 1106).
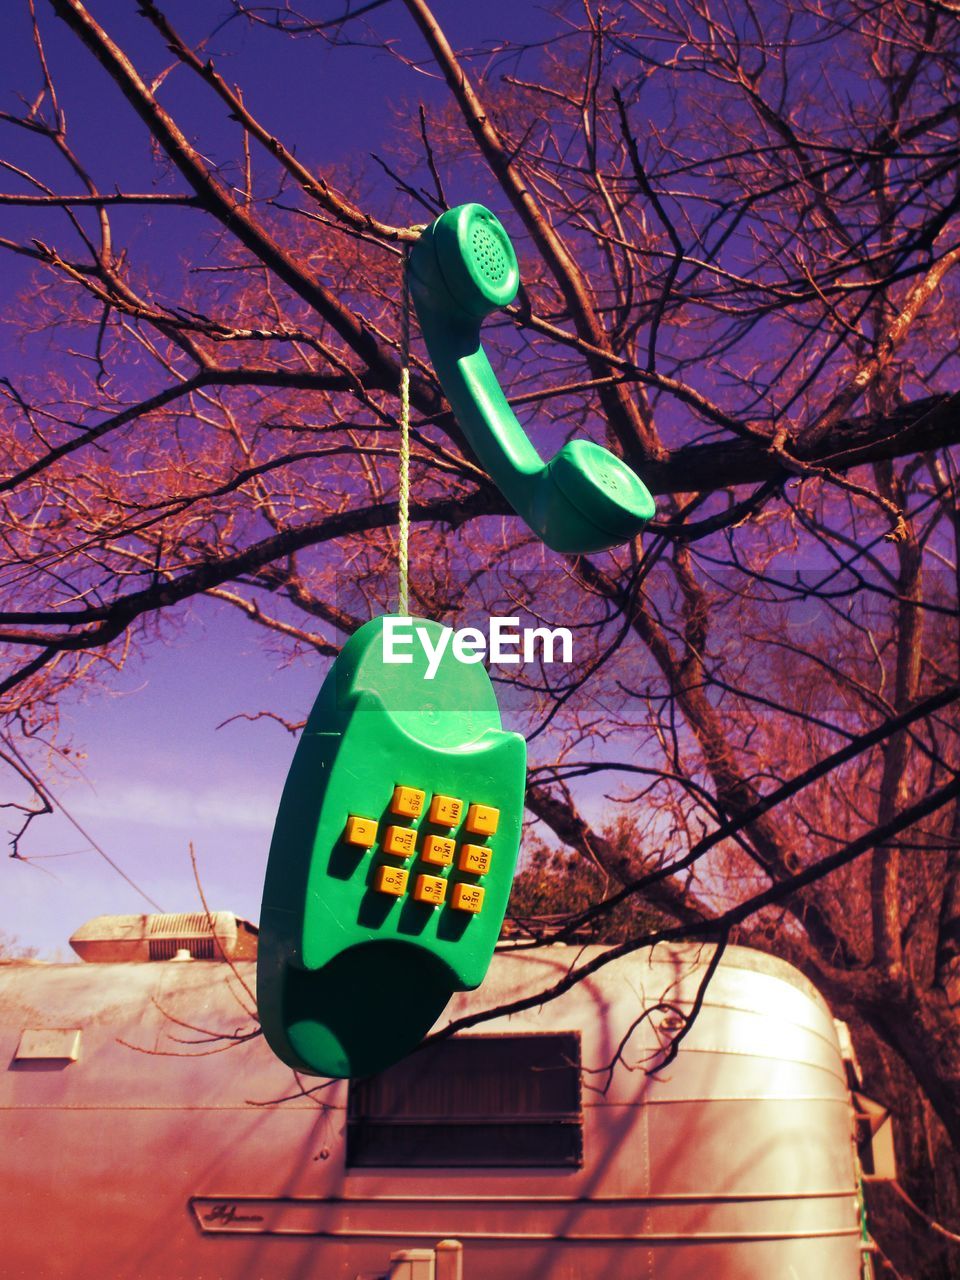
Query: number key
point(430, 889)
point(475, 859)
point(445, 811)
point(407, 802)
point(438, 850)
point(467, 897)
point(400, 841)
point(482, 820)
point(361, 831)
point(392, 880)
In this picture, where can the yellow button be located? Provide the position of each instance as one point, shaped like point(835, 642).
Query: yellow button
point(400, 841)
point(467, 897)
point(361, 831)
point(391, 880)
point(438, 850)
point(482, 820)
point(475, 859)
point(430, 889)
point(445, 811)
point(407, 801)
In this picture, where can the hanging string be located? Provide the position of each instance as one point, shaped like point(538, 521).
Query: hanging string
point(403, 504)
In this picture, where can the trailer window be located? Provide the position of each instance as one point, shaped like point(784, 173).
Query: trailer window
point(474, 1101)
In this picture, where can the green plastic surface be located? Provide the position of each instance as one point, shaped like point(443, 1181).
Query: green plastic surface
point(462, 268)
point(349, 979)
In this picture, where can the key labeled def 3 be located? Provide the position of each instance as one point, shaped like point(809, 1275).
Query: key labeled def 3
point(467, 897)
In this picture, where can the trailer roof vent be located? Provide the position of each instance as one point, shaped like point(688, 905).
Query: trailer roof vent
point(171, 926)
point(135, 939)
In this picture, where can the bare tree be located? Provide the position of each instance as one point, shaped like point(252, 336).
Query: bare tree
point(738, 227)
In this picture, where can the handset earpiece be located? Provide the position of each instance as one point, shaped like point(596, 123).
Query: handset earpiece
point(585, 498)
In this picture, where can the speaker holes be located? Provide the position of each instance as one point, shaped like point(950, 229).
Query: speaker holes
point(488, 254)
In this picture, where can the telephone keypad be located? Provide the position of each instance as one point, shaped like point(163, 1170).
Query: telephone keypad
point(445, 856)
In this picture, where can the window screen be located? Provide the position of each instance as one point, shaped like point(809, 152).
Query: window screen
point(477, 1101)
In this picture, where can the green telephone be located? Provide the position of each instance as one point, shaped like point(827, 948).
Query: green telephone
point(462, 268)
point(392, 858)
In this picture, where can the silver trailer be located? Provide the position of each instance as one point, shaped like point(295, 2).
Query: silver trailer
point(136, 1143)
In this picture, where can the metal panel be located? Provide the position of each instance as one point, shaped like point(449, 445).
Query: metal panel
point(735, 1162)
point(50, 1044)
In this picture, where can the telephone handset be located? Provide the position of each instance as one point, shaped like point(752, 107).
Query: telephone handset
point(585, 498)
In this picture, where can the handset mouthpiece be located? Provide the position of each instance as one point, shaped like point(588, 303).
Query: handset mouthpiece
point(590, 500)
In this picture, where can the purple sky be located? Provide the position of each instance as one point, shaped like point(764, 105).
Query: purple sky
point(158, 773)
